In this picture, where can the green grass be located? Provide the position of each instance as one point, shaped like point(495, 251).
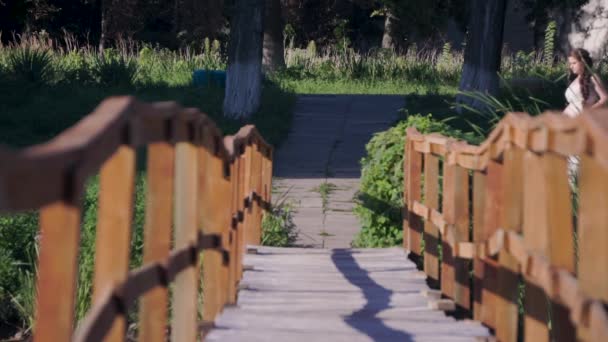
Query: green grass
point(349, 87)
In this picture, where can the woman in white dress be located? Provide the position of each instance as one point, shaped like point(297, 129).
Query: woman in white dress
point(585, 91)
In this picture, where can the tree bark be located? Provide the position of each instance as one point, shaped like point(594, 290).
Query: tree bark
point(244, 73)
point(273, 36)
point(483, 51)
point(388, 39)
point(103, 35)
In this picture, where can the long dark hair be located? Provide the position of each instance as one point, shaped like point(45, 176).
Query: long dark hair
point(583, 56)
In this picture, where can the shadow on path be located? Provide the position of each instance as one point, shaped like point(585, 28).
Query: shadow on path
point(377, 298)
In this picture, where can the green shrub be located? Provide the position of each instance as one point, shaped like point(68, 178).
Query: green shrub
point(17, 249)
point(30, 64)
point(278, 228)
point(111, 68)
point(380, 199)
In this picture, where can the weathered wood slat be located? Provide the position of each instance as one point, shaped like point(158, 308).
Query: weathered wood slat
point(412, 230)
point(431, 234)
point(324, 295)
point(593, 235)
point(536, 233)
point(508, 271)
point(57, 264)
point(492, 219)
point(454, 271)
point(157, 237)
point(185, 293)
point(113, 240)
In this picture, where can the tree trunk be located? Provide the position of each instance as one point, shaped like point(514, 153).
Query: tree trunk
point(388, 39)
point(273, 36)
point(483, 51)
point(244, 73)
point(104, 24)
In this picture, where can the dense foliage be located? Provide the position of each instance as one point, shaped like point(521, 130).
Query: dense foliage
point(381, 195)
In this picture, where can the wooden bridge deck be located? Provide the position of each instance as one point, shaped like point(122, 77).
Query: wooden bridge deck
point(296, 294)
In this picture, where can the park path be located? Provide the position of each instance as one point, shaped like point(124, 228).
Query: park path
point(324, 146)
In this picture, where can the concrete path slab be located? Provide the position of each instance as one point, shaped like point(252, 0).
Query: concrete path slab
point(325, 145)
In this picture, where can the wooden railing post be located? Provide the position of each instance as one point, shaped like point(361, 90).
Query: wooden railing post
point(548, 231)
point(57, 267)
point(234, 226)
point(535, 237)
point(593, 232)
point(492, 218)
point(185, 293)
point(266, 187)
point(157, 237)
point(255, 212)
point(454, 271)
point(431, 233)
point(215, 219)
point(240, 209)
point(114, 218)
point(479, 199)
point(412, 227)
point(561, 236)
point(508, 271)
point(249, 180)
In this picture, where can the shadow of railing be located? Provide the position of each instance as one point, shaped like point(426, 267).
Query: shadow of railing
point(378, 299)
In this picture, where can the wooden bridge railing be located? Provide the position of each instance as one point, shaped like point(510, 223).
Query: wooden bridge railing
point(504, 213)
point(204, 193)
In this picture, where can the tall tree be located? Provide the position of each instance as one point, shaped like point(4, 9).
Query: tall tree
point(273, 36)
point(482, 55)
point(244, 72)
point(119, 18)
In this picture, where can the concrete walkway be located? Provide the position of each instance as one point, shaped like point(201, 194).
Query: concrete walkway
point(325, 146)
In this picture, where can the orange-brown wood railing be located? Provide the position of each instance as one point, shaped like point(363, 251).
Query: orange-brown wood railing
point(506, 217)
point(205, 192)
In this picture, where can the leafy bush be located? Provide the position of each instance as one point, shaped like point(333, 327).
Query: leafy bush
point(111, 68)
point(278, 228)
point(380, 199)
point(31, 65)
point(17, 252)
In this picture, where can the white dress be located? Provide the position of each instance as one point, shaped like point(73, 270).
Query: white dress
point(574, 96)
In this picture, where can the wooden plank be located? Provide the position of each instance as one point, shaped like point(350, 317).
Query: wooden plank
point(186, 285)
point(247, 188)
point(455, 272)
point(157, 237)
point(57, 270)
point(232, 238)
point(213, 220)
point(479, 198)
point(492, 219)
point(592, 232)
point(431, 200)
point(113, 240)
point(536, 235)
point(240, 209)
point(508, 272)
point(256, 210)
point(414, 226)
point(561, 236)
point(267, 177)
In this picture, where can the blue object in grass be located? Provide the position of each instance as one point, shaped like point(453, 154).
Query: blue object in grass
point(204, 77)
